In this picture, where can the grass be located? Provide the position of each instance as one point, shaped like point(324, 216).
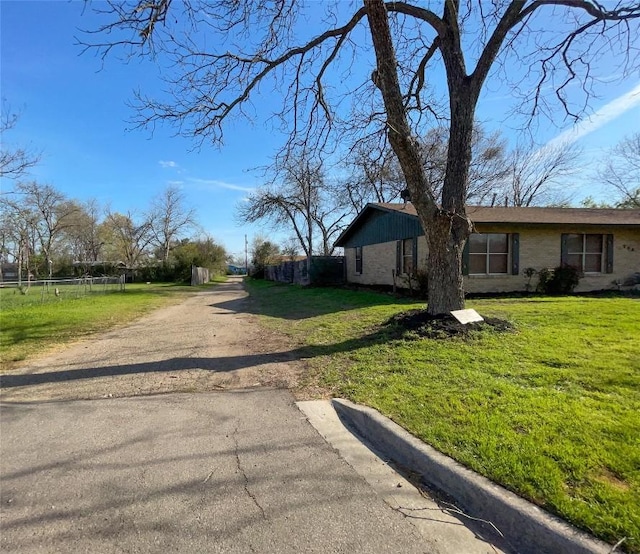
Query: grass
point(29, 327)
point(40, 293)
point(550, 411)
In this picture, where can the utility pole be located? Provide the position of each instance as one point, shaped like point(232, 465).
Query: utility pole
point(246, 256)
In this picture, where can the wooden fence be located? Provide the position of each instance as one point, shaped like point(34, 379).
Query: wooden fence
point(325, 270)
point(199, 275)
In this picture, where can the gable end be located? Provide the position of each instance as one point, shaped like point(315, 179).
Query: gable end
point(381, 226)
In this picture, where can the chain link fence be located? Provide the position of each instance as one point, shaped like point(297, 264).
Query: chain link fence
point(14, 293)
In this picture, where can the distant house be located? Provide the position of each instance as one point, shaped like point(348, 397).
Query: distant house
point(280, 258)
point(8, 272)
point(233, 269)
point(387, 240)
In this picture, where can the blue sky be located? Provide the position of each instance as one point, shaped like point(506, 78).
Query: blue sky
point(74, 109)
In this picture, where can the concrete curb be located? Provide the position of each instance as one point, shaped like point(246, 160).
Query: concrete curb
point(527, 528)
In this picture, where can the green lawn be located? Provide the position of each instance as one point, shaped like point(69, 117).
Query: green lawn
point(28, 326)
point(551, 410)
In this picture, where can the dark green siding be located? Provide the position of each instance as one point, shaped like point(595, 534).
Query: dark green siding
point(382, 226)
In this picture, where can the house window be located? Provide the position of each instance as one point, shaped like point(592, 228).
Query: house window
point(407, 256)
point(585, 252)
point(488, 254)
point(358, 259)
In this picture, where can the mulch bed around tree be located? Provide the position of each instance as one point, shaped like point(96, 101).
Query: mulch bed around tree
point(443, 326)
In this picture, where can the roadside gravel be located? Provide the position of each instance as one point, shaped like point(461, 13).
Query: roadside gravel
point(211, 341)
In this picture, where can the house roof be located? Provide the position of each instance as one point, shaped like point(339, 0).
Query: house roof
point(279, 258)
point(509, 216)
point(554, 216)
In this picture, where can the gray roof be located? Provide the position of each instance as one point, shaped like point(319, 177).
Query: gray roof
point(504, 217)
point(553, 216)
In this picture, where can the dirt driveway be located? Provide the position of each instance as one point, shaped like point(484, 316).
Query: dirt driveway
point(209, 342)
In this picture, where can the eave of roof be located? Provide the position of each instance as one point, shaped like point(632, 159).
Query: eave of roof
point(537, 215)
point(516, 216)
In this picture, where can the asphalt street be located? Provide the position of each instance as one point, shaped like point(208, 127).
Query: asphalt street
point(217, 472)
point(104, 448)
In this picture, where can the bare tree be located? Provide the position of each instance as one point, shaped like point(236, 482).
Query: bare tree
point(375, 176)
point(126, 239)
point(290, 248)
point(6, 241)
point(83, 236)
point(298, 200)
point(330, 220)
point(18, 238)
point(14, 161)
point(170, 219)
point(209, 85)
point(487, 168)
point(43, 210)
point(540, 177)
point(621, 171)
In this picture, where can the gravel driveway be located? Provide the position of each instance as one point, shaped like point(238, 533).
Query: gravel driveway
point(209, 342)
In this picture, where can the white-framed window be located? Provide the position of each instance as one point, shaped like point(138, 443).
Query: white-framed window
point(358, 255)
point(489, 254)
point(585, 252)
point(407, 256)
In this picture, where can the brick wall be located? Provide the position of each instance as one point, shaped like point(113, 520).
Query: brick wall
point(378, 262)
point(539, 248)
point(626, 261)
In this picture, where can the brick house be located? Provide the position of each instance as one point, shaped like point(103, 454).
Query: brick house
point(387, 239)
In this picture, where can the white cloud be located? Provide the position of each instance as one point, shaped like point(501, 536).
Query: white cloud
point(601, 117)
point(215, 184)
point(169, 163)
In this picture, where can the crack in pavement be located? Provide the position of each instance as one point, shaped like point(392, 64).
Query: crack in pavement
point(244, 475)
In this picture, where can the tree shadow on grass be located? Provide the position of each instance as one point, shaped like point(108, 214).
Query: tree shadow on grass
point(394, 328)
point(292, 302)
point(16, 333)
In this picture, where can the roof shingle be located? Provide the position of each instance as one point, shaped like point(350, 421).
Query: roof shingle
point(535, 215)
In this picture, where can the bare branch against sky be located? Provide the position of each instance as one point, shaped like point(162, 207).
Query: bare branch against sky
point(15, 161)
point(364, 69)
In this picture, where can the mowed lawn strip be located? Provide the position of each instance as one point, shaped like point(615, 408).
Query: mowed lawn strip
point(550, 411)
point(29, 327)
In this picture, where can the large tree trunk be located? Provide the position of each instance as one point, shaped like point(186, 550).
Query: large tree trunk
point(450, 228)
point(446, 227)
point(445, 290)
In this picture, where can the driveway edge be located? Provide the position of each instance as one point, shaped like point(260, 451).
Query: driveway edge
point(527, 527)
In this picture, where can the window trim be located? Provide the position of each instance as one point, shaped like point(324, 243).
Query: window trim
point(358, 260)
point(407, 254)
point(488, 254)
point(583, 253)
point(514, 255)
point(401, 255)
